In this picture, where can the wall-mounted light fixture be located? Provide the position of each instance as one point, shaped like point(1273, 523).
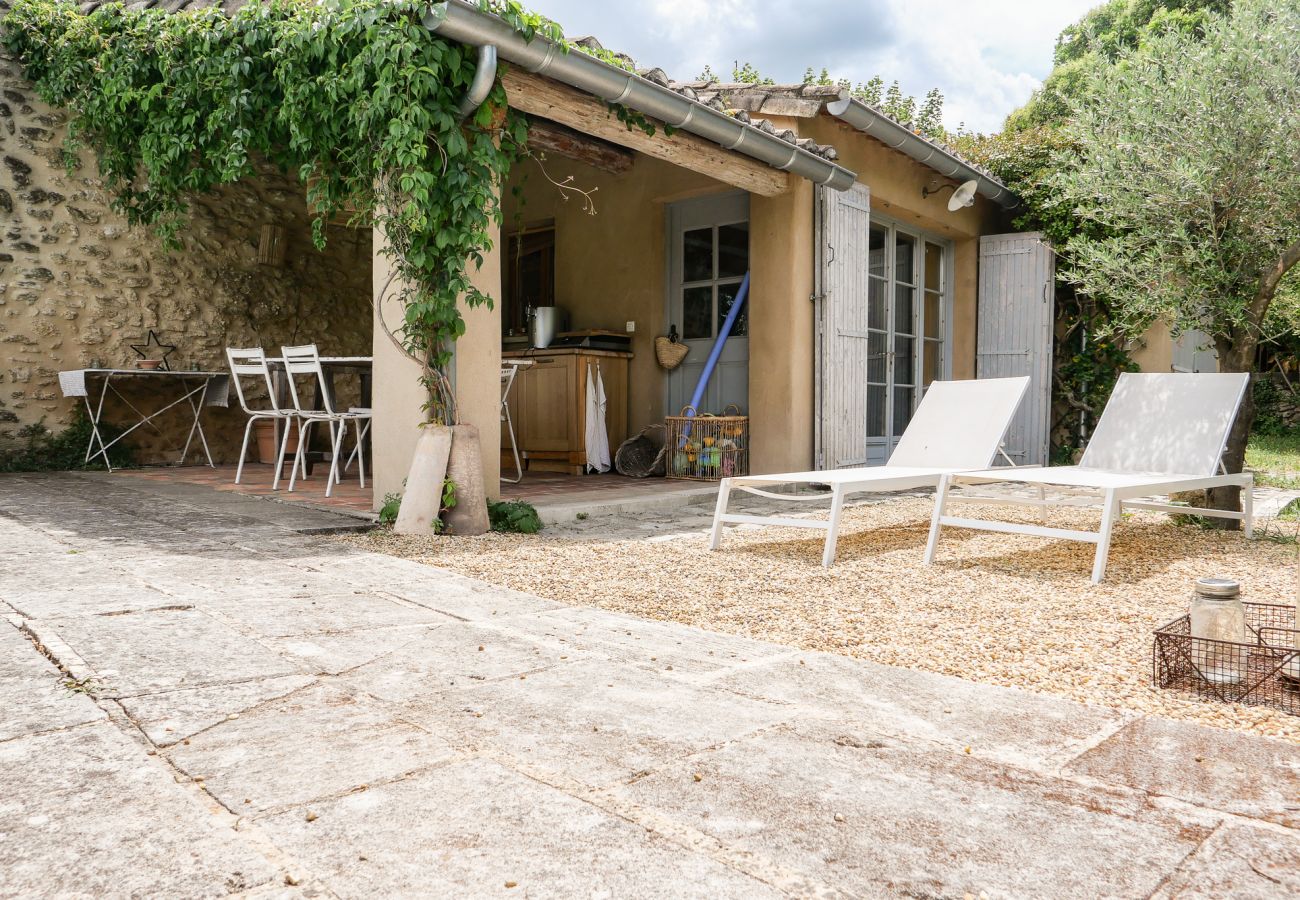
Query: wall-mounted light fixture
point(963, 195)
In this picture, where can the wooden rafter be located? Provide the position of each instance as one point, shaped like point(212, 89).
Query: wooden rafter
point(589, 115)
point(552, 137)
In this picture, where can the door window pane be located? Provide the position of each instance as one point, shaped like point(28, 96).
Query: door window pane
point(876, 411)
point(904, 361)
point(905, 259)
point(876, 303)
point(733, 250)
point(931, 362)
point(726, 296)
point(697, 255)
point(903, 312)
point(933, 315)
point(876, 357)
point(902, 409)
point(697, 313)
point(876, 258)
point(933, 267)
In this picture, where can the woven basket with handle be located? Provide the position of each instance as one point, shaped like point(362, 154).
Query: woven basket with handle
point(670, 352)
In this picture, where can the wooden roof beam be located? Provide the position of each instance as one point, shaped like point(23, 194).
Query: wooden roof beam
point(549, 99)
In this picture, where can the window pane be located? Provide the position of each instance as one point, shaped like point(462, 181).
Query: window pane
point(933, 267)
point(902, 409)
point(932, 362)
point(875, 411)
point(933, 315)
point(726, 296)
point(697, 256)
point(876, 258)
point(876, 357)
point(904, 361)
point(905, 259)
point(876, 303)
point(903, 312)
point(697, 313)
point(733, 250)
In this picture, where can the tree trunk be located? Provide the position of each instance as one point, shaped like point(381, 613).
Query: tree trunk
point(1240, 359)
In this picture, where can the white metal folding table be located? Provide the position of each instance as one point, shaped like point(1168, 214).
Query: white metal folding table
point(199, 389)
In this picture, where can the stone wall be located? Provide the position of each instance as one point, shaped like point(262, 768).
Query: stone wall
point(78, 285)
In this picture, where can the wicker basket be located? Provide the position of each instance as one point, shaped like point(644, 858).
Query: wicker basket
point(670, 352)
point(640, 457)
point(705, 447)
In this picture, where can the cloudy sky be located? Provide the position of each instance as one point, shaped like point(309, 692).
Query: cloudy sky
point(986, 56)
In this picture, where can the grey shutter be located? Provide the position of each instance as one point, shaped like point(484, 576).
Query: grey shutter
point(842, 327)
point(1016, 312)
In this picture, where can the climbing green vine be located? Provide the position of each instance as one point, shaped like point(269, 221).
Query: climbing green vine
point(357, 97)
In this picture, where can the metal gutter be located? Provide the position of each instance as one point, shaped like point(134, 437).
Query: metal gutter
point(853, 111)
point(484, 77)
point(466, 24)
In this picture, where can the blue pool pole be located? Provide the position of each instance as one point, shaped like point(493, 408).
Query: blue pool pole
point(723, 334)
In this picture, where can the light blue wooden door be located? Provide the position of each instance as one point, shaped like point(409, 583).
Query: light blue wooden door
point(708, 256)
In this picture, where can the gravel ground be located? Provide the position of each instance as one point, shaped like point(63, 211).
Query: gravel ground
point(995, 608)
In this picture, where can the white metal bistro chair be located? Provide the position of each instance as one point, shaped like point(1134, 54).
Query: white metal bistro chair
point(305, 360)
point(958, 425)
point(250, 362)
point(509, 372)
point(1159, 433)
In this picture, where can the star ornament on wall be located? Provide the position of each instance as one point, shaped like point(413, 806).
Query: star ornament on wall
point(142, 350)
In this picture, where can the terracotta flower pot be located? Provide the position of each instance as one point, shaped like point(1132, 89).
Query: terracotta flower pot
point(267, 446)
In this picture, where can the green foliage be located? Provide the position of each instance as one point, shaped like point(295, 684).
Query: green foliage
point(388, 512)
point(1186, 179)
point(357, 97)
point(1097, 42)
point(748, 74)
point(514, 516)
point(1270, 399)
point(41, 450)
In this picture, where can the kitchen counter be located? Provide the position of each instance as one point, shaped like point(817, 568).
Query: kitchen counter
point(532, 352)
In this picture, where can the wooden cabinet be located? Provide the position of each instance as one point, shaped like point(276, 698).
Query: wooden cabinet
point(548, 405)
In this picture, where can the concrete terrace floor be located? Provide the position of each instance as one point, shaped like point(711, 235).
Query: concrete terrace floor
point(197, 698)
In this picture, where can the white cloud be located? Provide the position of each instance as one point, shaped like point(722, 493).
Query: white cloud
point(986, 56)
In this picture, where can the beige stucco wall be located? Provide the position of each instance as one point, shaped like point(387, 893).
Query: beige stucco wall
point(400, 397)
point(610, 267)
point(76, 283)
point(781, 331)
point(1154, 351)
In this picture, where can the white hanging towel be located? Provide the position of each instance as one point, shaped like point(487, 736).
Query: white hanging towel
point(597, 435)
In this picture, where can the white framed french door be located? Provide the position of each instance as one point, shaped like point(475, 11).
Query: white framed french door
point(708, 256)
point(908, 328)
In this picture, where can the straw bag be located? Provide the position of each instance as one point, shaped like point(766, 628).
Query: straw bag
point(669, 351)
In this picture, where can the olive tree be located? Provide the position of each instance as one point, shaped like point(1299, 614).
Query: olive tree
point(1186, 154)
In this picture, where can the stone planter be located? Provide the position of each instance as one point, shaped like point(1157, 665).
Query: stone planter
point(465, 468)
point(422, 499)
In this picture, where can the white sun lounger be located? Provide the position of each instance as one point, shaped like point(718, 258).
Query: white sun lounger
point(958, 425)
point(1159, 433)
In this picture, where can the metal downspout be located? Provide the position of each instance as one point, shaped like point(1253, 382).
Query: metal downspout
point(484, 77)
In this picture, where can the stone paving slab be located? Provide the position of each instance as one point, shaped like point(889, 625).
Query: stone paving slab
point(333, 611)
point(341, 652)
point(1238, 862)
point(499, 834)
point(1206, 766)
point(314, 743)
point(994, 722)
point(880, 817)
point(104, 820)
point(144, 652)
point(594, 722)
point(171, 716)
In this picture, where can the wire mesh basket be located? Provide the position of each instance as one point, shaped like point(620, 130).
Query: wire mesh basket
point(1263, 671)
point(702, 447)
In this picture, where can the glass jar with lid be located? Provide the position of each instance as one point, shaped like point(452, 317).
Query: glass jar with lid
point(1218, 625)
